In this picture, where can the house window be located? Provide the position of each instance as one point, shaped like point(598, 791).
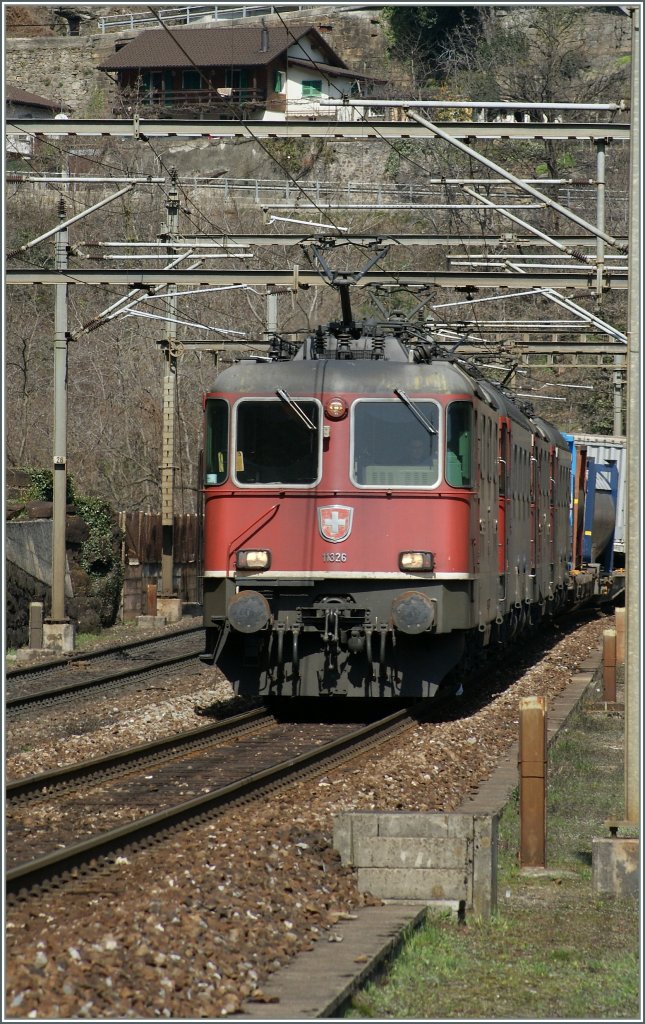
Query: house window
point(312, 88)
point(159, 85)
point(236, 78)
point(279, 81)
point(191, 80)
point(153, 80)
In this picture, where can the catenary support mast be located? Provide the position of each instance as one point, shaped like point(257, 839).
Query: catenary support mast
point(60, 430)
point(169, 385)
point(633, 554)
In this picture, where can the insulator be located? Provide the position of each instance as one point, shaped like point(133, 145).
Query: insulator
point(580, 255)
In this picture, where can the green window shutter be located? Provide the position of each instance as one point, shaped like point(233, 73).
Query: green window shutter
point(312, 88)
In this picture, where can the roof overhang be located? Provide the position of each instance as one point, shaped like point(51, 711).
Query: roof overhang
point(331, 69)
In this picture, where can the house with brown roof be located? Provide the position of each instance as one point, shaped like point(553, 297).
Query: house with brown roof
point(231, 72)
point(23, 105)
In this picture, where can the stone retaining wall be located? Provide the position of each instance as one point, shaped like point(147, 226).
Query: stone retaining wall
point(28, 571)
point(438, 858)
point(64, 68)
point(20, 590)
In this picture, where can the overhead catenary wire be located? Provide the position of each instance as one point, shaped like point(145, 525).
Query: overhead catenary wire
point(511, 177)
point(176, 320)
point(243, 123)
point(490, 164)
point(314, 66)
point(240, 120)
point(356, 106)
point(137, 257)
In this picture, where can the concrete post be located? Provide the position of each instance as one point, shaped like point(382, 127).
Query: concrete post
point(36, 625)
point(59, 553)
point(58, 631)
point(532, 766)
point(609, 665)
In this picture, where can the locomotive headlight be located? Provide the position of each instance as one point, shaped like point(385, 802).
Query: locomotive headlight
point(416, 561)
point(336, 408)
point(253, 559)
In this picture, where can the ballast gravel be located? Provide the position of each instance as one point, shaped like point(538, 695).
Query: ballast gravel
point(193, 927)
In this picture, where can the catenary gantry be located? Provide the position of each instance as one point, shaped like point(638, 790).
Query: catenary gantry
point(298, 278)
point(465, 130)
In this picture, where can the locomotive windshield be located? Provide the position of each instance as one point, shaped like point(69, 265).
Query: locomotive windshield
point(392, 447)
point(275, 442)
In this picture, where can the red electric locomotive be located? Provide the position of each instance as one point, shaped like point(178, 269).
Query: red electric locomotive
point(373, 513)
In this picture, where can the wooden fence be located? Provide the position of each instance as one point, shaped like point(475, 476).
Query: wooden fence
point(141, 556)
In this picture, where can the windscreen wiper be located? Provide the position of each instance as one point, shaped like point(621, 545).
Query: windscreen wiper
point(415, 411)
point(283, 396)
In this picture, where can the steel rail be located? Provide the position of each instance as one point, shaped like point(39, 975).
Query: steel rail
point(24, 876)
point(100, 652)
point(40, 696)
point(143, 752)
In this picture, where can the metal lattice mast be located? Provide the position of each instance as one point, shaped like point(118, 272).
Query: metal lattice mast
point(169, 386)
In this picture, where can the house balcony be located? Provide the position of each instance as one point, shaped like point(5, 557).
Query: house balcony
point(183, 98)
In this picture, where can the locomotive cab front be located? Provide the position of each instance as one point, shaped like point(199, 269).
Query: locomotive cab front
point(339, 511)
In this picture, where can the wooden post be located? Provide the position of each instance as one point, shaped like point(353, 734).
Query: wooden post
point(532, 764)
point(151, 599)
point(609, 665)
point(620, 636)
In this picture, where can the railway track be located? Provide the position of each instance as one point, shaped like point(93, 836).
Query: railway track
point(161, 787)
point(183, 788)
point(216, 896)
point(92, 772)
point(112, 667)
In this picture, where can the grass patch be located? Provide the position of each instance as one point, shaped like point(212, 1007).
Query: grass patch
point(85, 641)
point(554, 949)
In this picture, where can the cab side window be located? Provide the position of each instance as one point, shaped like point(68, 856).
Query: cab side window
point(216, 460)
point(459, 436)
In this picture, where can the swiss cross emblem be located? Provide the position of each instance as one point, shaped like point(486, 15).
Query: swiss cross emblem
point(335, 522)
